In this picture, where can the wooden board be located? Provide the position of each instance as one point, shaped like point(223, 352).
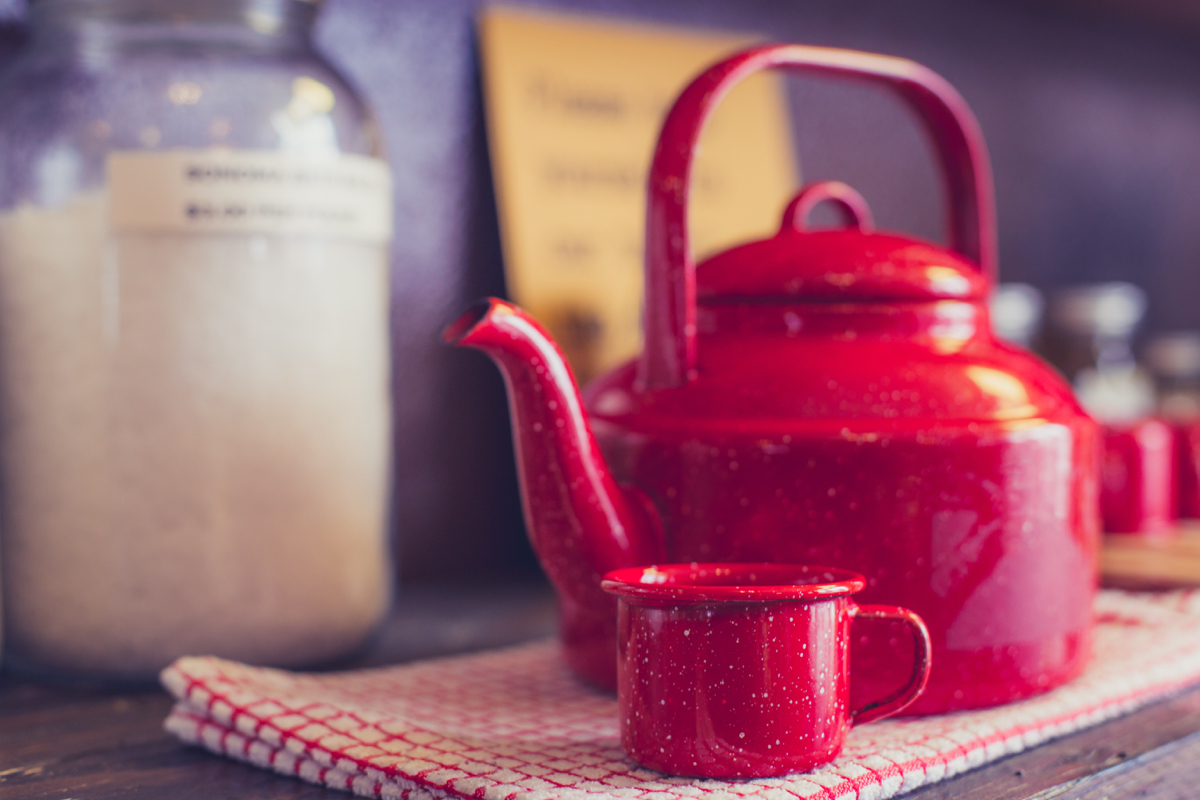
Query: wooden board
point(108, 744)
point(1134, 756)
point(1152, 562)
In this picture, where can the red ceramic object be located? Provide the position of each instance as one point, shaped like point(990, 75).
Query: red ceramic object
point(742, 670)
point(1187, 447)
point(832, 397)
point(1140, 479)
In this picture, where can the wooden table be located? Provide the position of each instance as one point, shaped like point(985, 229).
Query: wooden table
point(77, 743)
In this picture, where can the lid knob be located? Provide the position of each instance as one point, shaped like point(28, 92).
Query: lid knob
point(852, 204)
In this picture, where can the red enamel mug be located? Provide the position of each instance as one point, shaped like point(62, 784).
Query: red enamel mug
point(742, 670)
point(1140, 480)
point(1187, 447)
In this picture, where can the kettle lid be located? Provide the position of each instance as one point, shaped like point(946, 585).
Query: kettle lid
point(851, 264)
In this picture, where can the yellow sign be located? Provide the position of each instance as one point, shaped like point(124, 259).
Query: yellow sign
point(574, 106)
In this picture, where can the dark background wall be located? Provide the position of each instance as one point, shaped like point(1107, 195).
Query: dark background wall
point(1092, 114)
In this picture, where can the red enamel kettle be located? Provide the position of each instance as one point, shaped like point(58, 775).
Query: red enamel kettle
point(830, 397)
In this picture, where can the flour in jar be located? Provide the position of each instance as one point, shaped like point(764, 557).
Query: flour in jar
point(195, 440)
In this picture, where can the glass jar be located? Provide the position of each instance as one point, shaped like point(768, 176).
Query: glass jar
point(194, 363)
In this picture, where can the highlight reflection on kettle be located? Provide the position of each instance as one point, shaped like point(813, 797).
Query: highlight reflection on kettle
point(830, 397)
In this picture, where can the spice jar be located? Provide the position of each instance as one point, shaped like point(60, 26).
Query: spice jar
point(194, 364)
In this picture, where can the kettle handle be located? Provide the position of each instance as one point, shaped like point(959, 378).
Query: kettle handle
point(669, 357)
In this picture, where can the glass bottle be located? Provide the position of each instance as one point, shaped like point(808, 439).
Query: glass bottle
point(1096, 324)
point(1174, 358)
point(194, 363)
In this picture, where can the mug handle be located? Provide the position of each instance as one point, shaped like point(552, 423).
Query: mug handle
point(901, 698)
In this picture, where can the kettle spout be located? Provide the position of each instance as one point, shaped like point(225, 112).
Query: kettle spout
point(581, 523)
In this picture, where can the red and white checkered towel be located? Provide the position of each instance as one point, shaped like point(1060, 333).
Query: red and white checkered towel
point(514, 723)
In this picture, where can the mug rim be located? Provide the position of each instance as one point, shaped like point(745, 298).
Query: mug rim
point(740, 582)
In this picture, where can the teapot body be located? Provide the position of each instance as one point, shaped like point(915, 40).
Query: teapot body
point(831, 397)
point(898, 440)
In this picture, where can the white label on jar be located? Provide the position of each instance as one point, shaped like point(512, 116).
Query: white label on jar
point(250, 191)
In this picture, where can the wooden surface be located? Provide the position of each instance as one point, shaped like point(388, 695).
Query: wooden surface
point(1134, 561)
point(78, 743)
